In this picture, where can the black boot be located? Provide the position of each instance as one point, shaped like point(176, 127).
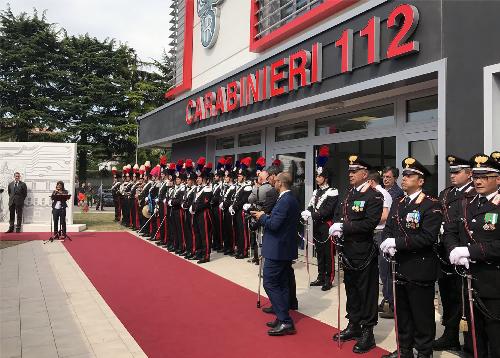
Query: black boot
point(404, 353)
point(352, 331)
point(327, 286)
point(448, 341)
point(366, 342)
point(317, 282)
point(424, 355)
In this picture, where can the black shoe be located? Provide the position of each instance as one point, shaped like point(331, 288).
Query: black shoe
point(317, 282)
point(273, 324)
point(383, 303)
point(391, 355)
point(10, 230)
point(282, 329)
point(160, 243)
point(268, 310)
point(221, 251)
point(405, 353)
point(327, 286)
point(447, 342)
point(239, 257)
point(388, 313)
point(202, 261)
point(366, 342)
point(424, 355)
point(193, 257)
point(352, 331)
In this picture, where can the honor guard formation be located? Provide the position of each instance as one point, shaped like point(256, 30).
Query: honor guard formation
point(400, 237)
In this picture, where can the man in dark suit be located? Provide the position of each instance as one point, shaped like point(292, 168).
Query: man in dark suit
point(279, 250)
point(17, 193)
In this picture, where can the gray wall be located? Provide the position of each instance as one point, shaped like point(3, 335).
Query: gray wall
point(470, 42)
point(189, 149)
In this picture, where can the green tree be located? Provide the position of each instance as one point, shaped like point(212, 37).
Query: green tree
point(30, 52)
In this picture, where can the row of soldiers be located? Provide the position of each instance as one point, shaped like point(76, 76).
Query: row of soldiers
point(193, 210)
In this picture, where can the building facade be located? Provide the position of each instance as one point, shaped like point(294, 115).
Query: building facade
point(384, 79)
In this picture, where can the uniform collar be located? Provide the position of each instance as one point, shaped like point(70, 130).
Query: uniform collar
point(414, 195)
point(490, 196)
point(281, 194)
point(463, 187)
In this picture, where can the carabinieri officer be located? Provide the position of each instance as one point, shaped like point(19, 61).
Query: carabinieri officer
point(356, 219)
point(411, 232)
point(473, 240)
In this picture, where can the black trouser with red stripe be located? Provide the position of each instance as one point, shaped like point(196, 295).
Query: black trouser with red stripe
point(325, 251)
point(229, 231)
point(163, 222)
point(189, 232)
point(242, 235)
point(217, 243)
point(176, 225)
point(131, 205)
point(202, 225)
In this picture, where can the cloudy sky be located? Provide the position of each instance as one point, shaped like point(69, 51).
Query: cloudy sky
point(143, 25)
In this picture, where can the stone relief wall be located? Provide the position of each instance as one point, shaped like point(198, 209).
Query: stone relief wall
point(41, 165)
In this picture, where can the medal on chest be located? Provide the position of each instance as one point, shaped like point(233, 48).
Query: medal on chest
point(490, 220)
point(358, 206)
point(413, 220)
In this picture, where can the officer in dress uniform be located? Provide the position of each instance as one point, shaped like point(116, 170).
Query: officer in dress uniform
point(241, 195)
point(177, 220)
point(170, 174)
point(188, 198)
point(124, 196)
point(153, 203)
point(142, 198)
point(228, 196)
point(321, 208)
point(218, 241)
point(356, 219)
point(472, 239)
point(450, 284)
point(131, 200)
point(202, 216)
point(138, 191)
point(411, 232)
point(162, 206)
point(115, 192)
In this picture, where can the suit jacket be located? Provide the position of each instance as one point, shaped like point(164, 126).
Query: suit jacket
point(280, 229)
point(64, 204)
point(17, 195)
point(479, 230)
point(415, 228)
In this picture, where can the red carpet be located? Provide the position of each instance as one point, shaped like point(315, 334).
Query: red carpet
point(174, 308)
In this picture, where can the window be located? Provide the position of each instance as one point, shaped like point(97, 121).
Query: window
point(364, 119)
point(273, 14)
point(293, 131)
point(224, 143)
point(426, 152)
point(422, 109)
point(252, 138)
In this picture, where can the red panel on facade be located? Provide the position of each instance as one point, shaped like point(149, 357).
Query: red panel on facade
point(187, 61)
point(302, 22)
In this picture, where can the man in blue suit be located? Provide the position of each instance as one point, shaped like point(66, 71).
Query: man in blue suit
point(279, 250)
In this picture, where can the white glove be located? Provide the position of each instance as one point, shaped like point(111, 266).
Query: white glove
point(246, 206)
point(463, 261)
point(306, 214)
point(146, 199)
point(387, 244)
point(457, 253)
point(336, 229)
point(231, 210)
point(391, 251)
point(221, 206)
point(441, 230)
point(157, 200)
point(191, 209)
point(170, 202)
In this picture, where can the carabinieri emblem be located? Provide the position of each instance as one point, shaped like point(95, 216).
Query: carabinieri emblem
point(208, 12)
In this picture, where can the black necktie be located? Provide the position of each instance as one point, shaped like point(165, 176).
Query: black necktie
point(482, 200)
point(407, 200)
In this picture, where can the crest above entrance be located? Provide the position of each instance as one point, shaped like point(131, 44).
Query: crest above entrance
point(209, 13)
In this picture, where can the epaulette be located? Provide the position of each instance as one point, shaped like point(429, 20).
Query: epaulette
point(332, 192)
point(420, 198)
point(496, 199)
point(365, 187)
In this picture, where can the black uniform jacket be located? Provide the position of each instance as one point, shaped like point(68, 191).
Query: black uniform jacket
point(415, 228)
point(241, 195)
point(322, 207)
point(188, 197)
point(145, 192)
point(360, 213)
point(177, 196)
point(217, 195)
point(202, 198)
point(228, 196)
point(478, 229)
